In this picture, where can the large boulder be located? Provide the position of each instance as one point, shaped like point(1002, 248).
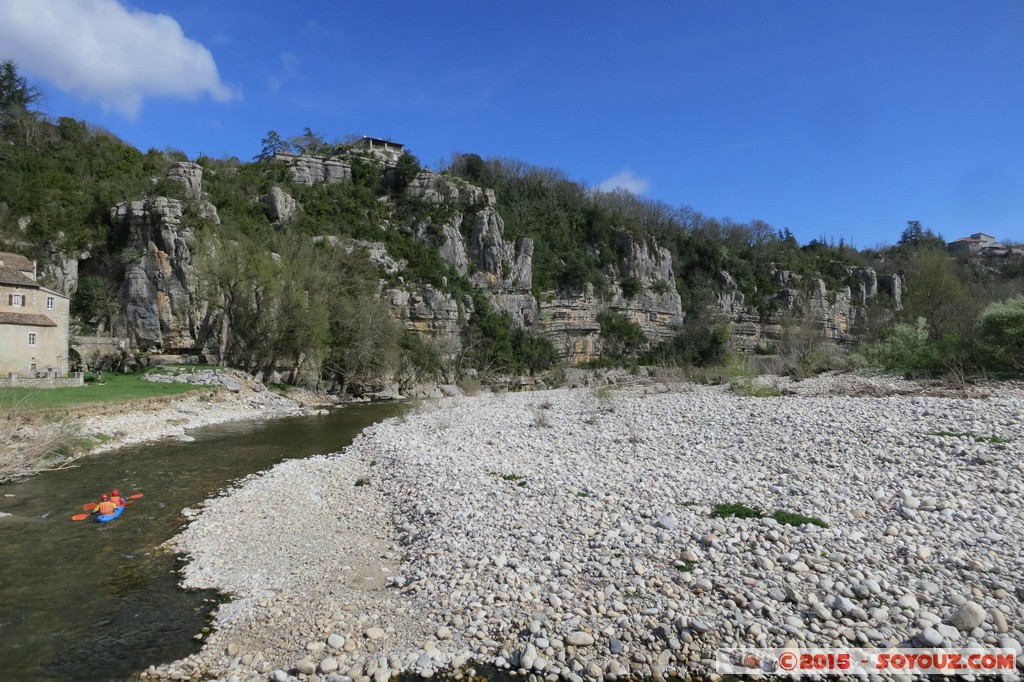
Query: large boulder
point(281, 206)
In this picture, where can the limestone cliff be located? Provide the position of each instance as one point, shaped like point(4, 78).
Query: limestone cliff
point(309, 170)
point(836, 315)
point(163, 308)
point(433, 314)
point(642, 289)
point(472, 238)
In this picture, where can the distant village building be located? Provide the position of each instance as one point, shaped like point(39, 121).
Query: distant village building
point(973, 245)
point(33, 322)
point(392, 150)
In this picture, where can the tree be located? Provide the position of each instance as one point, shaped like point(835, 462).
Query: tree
point(935, 292)
point(310, 143)
point(916, 236)
point(406, 169)
point(364, 341)
point(15, 91)
point(272, 144)
point(18, 119)
point(913, 232)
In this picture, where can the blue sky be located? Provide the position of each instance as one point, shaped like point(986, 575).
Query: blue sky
point(834, 119)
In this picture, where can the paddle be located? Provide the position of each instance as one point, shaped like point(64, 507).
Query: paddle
point(79, 517)
point(135, 496)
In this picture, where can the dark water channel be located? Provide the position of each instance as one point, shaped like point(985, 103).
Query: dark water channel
point(87, 601)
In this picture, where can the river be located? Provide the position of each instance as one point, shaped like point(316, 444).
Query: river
point(87, 601)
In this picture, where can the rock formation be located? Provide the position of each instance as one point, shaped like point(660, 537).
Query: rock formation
point(431, 313)
point(190, 175)
point(160, 291)
point(163, 308)
point(281, 207)
point(309, 170)
point(836, 315)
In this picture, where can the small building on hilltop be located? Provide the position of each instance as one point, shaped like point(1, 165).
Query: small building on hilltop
point(973, 245)
point(33, 322)
point(391, 150)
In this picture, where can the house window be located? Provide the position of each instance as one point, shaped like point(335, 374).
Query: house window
point(31, 338)
point(16, 300)
point(49, 302)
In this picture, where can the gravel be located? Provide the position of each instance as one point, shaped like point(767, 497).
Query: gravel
point(236, 397)
point(569, 533)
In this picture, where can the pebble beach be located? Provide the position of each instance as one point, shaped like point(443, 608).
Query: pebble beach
point(593, 534)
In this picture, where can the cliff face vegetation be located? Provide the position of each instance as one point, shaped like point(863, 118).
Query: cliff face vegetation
point(351, 264)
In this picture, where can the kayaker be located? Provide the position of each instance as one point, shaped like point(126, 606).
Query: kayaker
point(105, 506)
point(116, 498)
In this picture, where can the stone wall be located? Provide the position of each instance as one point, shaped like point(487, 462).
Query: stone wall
point(69, 381)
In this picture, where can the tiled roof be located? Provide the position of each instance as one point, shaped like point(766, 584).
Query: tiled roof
point(9, 275)
point(16, 261)
point(28, 319)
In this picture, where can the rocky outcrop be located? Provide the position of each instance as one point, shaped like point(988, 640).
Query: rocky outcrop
point(651, 300)
point(435, 189)
point(60, 270)
point(375, 251)
point(431, 313)
point(452, 249)
point(162, 308)
point(834, 315)
point(893, 285)
point(309, 170)
point(190, 175)
point(642, 290)
point(281, 207)
point(569, 321)
point(641, 285)
point(500, 268)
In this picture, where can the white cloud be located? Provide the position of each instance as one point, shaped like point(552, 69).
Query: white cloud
point(626, 180)
point(101, 51)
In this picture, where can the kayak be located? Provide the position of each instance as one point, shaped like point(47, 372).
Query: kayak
point(103, 518)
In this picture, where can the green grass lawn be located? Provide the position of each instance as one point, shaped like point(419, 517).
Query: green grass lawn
point(114, 388)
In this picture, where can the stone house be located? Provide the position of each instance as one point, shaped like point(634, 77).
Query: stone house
point(391, 150)
point(971, 246)
point(33, 322)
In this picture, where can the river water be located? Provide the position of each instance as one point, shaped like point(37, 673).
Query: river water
point(87, 601)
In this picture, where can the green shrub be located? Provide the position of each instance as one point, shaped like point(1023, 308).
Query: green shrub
point(619, 335)
point(740, 511)
point(794, 519)
point(904, 348)
point(698, 342)
point(1000, 330)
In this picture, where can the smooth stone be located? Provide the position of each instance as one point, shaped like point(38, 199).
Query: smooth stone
point(969, 616)
point(579, 638)
point(930, 637)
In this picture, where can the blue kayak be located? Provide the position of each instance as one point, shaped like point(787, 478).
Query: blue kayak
point(103, 518)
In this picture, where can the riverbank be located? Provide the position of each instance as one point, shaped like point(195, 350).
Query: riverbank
point(30, 437)
point(574, 533)
point(232, 396)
